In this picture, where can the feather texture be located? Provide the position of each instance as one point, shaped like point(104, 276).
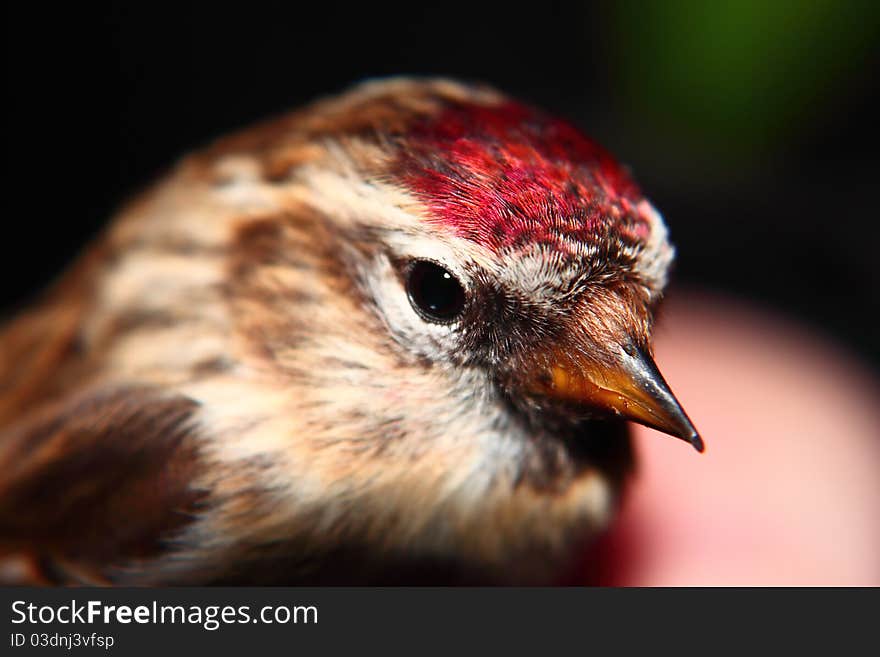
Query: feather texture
point(231, 385)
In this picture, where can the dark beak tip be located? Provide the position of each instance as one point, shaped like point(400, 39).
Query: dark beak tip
point(653, 393)
point(689, 434)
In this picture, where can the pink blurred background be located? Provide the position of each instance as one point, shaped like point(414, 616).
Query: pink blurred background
point(788, 490)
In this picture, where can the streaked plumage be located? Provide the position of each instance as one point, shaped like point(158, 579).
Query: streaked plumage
point(233, 386)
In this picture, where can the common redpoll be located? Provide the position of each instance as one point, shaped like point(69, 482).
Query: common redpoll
point(391, 338)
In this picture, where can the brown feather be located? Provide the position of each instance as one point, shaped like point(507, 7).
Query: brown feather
point(101, 479)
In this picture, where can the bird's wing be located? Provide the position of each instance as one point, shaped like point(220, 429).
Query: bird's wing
point(98, 480)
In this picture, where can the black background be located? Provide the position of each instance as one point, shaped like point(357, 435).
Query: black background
point(101, 98)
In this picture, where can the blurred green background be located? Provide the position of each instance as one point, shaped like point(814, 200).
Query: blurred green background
point(735, 82)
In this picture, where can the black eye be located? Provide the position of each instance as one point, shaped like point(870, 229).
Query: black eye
point(434, 293)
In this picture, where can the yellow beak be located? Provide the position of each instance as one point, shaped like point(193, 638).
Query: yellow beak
point(631, 388)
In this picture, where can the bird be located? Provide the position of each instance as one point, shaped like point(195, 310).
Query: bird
point(396, 336)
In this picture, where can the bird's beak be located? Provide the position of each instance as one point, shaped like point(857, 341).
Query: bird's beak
point(632, 387)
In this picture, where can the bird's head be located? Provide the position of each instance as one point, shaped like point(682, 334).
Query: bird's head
point(478, 288)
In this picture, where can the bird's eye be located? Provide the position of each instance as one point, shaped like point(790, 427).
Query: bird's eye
point(434, 293)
